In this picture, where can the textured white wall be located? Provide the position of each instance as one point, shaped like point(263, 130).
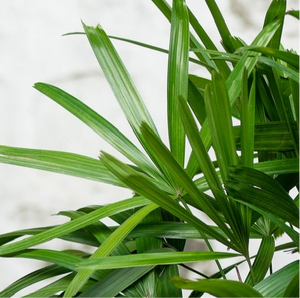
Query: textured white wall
point(32, 49)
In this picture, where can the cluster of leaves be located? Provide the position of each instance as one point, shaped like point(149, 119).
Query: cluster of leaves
point(244, 192)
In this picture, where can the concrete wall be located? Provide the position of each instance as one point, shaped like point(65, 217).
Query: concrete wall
point(32, 49)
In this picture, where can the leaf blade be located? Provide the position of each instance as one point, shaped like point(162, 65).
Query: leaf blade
point(148, 259)
point(177, 76)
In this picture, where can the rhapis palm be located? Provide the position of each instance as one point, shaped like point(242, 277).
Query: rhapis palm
point(244, 191)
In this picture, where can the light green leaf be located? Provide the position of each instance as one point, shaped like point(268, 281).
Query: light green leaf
point(178, 76)
point(288, 57)
point(73, 225)
point(292, 290)
point(234, 81)
point(221, 25)
point(100, 125)
point(121, 83)
point(276, 11)
point(208, 43)
point(66, 259)
point(148, 259)
point(276, 284)
point(287, 71)
point(59, 162)
point(220, 123)
point(118, 78)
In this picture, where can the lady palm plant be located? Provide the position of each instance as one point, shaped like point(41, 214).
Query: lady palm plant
point(240, 195)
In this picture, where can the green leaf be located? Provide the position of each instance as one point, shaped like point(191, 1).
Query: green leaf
point(208, 43)
point(276, 284)
point(142, 185)
point(164, 288)
point(118, 78)
point(221, 25)
point(287, 71)
point(100, 125)
point(262, 261)
point(292, 289)
point(218, 288)
point(204, 59)
point(182, 178)
point(234, 84)
point(270, 136)
point(294, 13)
point(205, 164)
point(73, 225)
point(148, 259)
point(220, 123)
point(256, 188)
point(247, 122)
point(173, 230)
point(196, 101)
point(276, 11)
point(33, 278)
point(288, 57)
point(115, 282)
point(66, 259)
point(99, 230)
point(178, 76)
point(53, 288)
point(59, 162)
point(77, 236)
point(234, 81)
point(108, 246)
point(164, 7)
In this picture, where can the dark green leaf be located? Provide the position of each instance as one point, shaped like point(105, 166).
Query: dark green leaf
point(292, 289)
point(219, 288)
point(259, 189)
point(115, 282)
point(141, 184)
point(262, 261)
point(276, 11)
point(220, 123)
point(294, 13)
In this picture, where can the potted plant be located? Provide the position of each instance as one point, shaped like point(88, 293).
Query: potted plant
point(239, 195)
